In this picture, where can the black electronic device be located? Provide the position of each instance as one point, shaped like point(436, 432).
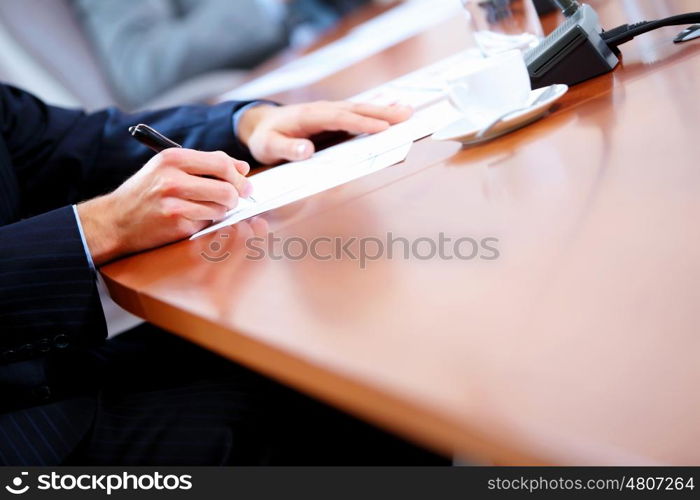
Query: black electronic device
point(579, 49)
point(572, 53)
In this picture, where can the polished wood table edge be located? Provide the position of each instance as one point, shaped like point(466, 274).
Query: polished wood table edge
point(418, 424)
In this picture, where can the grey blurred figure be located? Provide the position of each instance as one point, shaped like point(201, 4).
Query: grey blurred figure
point(147, 47)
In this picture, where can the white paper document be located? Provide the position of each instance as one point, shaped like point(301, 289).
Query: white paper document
point(385, 30)
point(284, 186)
point(336, 165)
point(426, 85)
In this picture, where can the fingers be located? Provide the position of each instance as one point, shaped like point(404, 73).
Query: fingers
point(355, 118)
point(336, 117)
point(281, 147)
point(202, 189)
point(194, 210)
point(212, 164)
point(213, 176)
point(392, 114)
point(284, 133)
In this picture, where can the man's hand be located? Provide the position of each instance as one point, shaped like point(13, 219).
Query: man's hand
point(167, 200)
point(180, 191)
point(274, 134)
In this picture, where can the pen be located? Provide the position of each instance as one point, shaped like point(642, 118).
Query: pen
point(154, 140)
point(151, 138)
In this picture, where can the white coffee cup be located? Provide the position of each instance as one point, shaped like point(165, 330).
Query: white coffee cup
point(500, 84)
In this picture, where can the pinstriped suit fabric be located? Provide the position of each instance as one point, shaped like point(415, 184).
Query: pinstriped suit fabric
point(164, 401)
point(51, 158)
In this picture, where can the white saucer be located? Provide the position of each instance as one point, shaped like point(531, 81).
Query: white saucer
point(465, 131)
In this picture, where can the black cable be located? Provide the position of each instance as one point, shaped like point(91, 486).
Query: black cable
point(623, 34)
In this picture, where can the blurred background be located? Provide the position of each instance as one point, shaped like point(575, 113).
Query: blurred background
point(151, 53)
point(139, 54)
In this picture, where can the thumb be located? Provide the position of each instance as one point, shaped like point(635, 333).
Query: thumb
point(281, 147)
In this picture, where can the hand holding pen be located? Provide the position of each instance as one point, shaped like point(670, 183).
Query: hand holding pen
point(175, 194)
point(180, 191)
point(157, 142)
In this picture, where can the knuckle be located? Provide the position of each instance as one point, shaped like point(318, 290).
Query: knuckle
point(221, 156)
point(166, 185)
point(169, 209)
point(171, 155)
point(225, 164)
point(225, 171)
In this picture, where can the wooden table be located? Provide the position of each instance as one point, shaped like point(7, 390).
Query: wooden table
point(579, 345)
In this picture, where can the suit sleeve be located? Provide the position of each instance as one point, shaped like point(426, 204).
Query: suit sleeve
point(63, 156)
point(48, 297)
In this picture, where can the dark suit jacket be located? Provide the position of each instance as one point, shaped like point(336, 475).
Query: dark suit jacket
point(51, 158)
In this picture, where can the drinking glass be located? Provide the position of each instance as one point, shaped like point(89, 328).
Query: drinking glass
point(502, 25)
